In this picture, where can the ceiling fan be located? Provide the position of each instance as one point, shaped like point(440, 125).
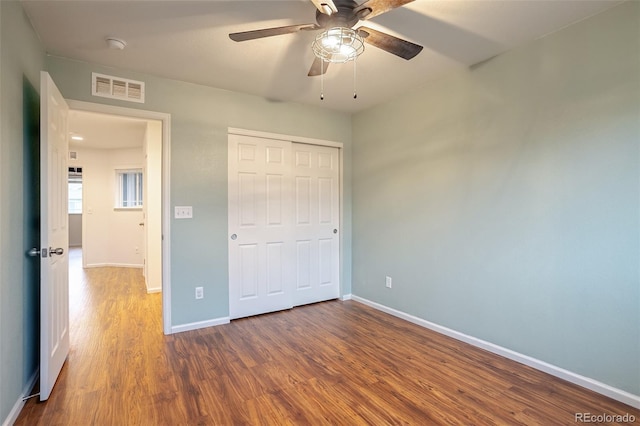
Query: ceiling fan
point(344, 14)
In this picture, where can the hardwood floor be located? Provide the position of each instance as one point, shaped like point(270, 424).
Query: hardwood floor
point(330, 363)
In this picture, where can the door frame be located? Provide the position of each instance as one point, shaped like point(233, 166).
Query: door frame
point(320, 142)
point(166, 188)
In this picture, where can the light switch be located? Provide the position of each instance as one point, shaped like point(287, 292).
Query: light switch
point(183, 212)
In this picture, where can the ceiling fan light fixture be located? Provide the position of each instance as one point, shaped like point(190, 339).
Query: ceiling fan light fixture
point(338, 45)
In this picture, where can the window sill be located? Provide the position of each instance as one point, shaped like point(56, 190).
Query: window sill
point(127, 209)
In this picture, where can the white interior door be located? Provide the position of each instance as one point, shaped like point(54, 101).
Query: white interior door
point(143, 219)
point(54, 291)
point(316, 183)
point(260, 240)
point(153, 207)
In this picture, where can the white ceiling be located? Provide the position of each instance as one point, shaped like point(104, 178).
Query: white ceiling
point(104, 131)
point(188, 40)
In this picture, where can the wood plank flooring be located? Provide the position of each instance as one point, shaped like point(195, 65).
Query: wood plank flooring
point(338, 363)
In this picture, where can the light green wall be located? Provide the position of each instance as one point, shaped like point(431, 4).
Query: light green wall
point(200, 117)
point(4, 404)
point(22, 59)
point(504, 200)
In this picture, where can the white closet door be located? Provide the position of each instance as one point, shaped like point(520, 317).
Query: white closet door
point(316, 222)
point(260, 231)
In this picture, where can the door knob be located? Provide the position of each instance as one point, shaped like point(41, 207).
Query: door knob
point(234, 236)
point(59, 251)
point(34, 252)
point(141, 224)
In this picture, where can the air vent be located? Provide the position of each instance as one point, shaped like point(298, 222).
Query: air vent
point(108, 86)
point(73, 155)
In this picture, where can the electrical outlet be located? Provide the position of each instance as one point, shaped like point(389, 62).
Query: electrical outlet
point(137, 250)
point(199, 293)
point(389, 282)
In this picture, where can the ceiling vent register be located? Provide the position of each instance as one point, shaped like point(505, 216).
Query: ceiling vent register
point(111, 87)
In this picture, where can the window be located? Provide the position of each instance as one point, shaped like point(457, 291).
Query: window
point(75, 190)
point(129, 187)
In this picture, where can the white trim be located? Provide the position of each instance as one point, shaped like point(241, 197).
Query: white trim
point(114, 265)
point(154, 290)
point(341, 220)
point(199, 324)
point(166, 189)
point(290, 138)
point(346, 297)
point(17, 407)
point(166, 225)
point(586, 382)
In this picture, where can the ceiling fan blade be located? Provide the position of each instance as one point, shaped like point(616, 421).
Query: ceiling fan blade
point(325, 6)
point(399, 47)
point(269, 32)
point(317, 68)
point(372, 8)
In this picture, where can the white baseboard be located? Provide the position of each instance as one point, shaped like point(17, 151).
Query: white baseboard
point(200, 324)
point(346, 297)
point(586, 382)
point(17, 407)
point(156, 288)
point(113, 265)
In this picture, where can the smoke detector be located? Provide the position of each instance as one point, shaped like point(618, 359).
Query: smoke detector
point(115, 43)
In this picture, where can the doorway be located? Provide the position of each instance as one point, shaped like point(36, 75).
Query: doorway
point(134, 196)
point(116, 161)
point(75, 207)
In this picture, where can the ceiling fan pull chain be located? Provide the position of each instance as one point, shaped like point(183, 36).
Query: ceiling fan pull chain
point(322, 80)
point(355, 95)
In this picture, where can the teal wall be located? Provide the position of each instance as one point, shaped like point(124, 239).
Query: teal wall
point(22, 58)
point(504, 200)
point(200, 117)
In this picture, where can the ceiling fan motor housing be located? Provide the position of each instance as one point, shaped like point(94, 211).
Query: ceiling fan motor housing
point(345, 17)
